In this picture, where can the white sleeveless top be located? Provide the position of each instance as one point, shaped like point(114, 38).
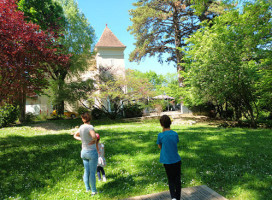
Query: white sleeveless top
point(86, 138)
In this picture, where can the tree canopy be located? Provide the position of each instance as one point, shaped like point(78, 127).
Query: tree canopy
point(77, 36)
point(160, 27)
point(48, 14)
point(227, 62)
point(26, 52)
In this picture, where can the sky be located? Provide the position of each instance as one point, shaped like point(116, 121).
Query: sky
point(115, 14)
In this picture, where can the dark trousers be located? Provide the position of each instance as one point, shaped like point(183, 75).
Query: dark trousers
point(173, 172)
point(100, 169)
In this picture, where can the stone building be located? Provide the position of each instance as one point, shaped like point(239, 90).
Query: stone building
point(109, 54)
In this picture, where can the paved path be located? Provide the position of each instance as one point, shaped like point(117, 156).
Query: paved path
point(192, 193)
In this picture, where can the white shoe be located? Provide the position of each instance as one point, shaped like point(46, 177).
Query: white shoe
point(94, 193)
point(104, 179)
point(174, 199)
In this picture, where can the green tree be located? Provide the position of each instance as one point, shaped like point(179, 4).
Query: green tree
point(65, 18)
point(114, 91)
point(264, 86)
point(47, 13)
point(75, 91)
point(156, 80)
point(171, 86)
point(161, 27)
point(26, 53)
point(223, 61)
point(77, 40)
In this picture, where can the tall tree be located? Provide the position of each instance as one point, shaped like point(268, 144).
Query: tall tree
point(228, 61)
point(161, 27)
point(64, 17)
point(26, 53)
point(114, 90)
point(77, 41)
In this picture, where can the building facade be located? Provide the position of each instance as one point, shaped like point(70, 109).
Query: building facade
point(109, 55)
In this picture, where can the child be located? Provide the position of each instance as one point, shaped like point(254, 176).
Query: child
point(101, 159)
point(167, 143)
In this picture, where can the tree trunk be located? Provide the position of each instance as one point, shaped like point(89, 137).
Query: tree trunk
point(22, 104)
point(178, 44)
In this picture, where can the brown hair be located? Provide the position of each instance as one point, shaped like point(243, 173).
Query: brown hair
point(165, 121)
point(86, 117)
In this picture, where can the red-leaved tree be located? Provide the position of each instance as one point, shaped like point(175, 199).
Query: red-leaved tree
point(26, 52)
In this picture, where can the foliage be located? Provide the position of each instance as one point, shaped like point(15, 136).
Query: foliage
point(26, 53)
point(110, 95)
point(133, 110)
point(160, 27)
point(171, 87)
point(78, 37)
point(30, 117)
point(82, 110)
point(79, 91)
point(223, 60)
point(8, 114)
point(48, 14)
point(140, 87)
point(158, 85)
point(207, 109)
point(98, 113)
point(159, 105)
point(152, 77)
point(240, 170)
point(114, 91)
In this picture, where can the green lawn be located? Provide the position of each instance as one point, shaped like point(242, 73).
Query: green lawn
point(43, 161)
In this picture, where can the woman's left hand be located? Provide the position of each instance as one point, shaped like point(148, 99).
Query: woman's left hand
point(92, 142)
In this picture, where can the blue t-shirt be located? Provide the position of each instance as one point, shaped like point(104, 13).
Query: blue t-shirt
point(169, 151)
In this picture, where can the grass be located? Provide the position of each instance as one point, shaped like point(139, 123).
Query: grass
point(42, 161)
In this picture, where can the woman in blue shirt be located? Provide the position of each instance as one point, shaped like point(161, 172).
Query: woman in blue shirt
point(167, 142)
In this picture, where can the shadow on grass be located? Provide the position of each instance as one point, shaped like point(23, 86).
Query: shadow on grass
point(232, 162)
point(229, 160)
point(35, 163)
point(223, 159)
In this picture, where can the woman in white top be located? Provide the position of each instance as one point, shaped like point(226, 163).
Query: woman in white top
point(89, 153)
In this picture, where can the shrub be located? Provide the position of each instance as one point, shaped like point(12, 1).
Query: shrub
point(133, 110)
point(41, 117)
point(159, 105)
point(206, 109)
point(82, 110)
point(97, 114)
point(8, 114)
point(29, 117)
point(158, 108)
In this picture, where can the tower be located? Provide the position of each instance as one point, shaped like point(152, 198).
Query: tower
point(110, 52)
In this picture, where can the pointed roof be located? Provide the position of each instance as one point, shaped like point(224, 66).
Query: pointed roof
point(108, 39)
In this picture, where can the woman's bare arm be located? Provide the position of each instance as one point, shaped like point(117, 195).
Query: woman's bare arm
point(77, 136)
point(93, 135)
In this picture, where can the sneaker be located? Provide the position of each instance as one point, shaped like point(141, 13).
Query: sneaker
point(104, 179)
point(174, 199)
point(94, 193)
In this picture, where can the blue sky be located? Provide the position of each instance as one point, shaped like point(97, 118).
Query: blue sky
point(115, 14)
